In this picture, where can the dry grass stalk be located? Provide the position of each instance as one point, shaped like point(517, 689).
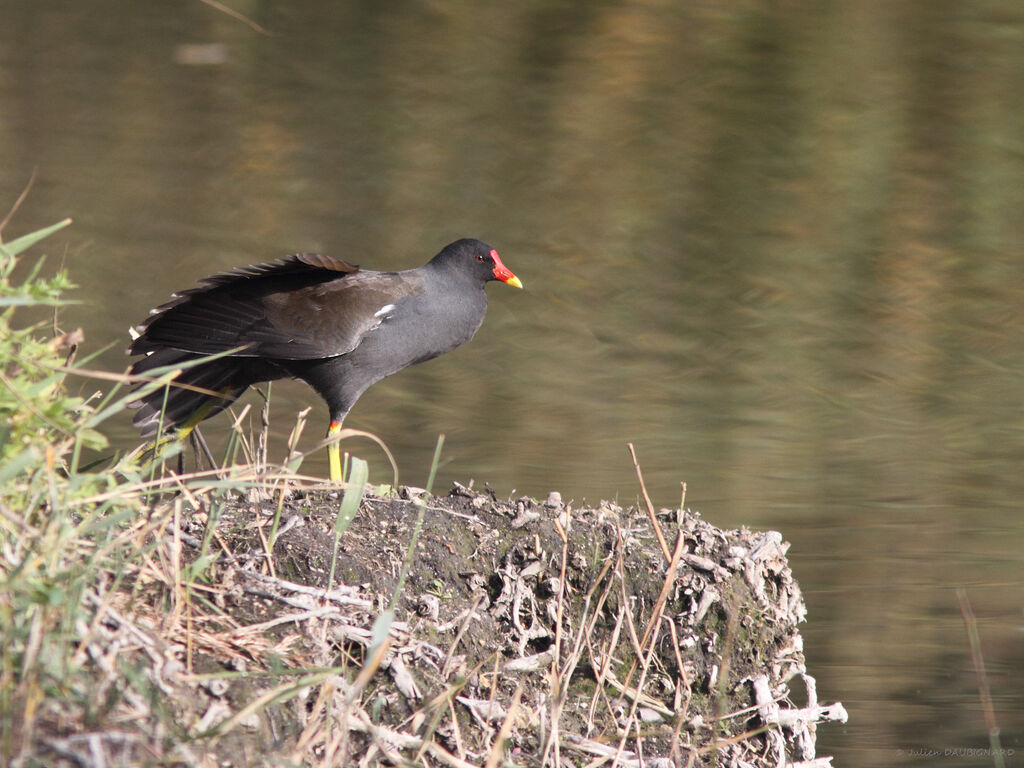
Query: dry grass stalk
point(203, 609)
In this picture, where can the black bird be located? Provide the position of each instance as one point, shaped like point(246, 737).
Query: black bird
point(337, 327)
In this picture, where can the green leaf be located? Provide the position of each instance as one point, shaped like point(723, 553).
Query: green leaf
point(24, 242)
point(31, 301)
point(358, 473)
point(15, 466)
point(196, 568)
point(294, 462)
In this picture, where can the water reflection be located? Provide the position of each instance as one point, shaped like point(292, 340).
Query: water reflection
point(779, 248)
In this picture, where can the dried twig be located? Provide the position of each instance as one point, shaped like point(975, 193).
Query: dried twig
point(650, 507)
point(978, 661)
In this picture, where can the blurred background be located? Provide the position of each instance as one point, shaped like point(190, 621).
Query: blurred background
point(778, 246)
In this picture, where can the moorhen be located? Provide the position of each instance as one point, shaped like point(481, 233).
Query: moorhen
point(337, 327)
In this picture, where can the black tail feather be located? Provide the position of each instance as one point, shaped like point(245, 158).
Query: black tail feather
point(177, 403)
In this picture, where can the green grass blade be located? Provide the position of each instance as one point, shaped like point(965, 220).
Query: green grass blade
point(24, 242)
point(421, 506)
point(14, 467)
point(381, 628)
point(358, 473)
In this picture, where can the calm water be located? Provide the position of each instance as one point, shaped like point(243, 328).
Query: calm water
point(777, 246)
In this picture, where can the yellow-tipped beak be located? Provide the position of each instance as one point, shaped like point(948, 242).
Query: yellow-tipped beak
point(503, 273)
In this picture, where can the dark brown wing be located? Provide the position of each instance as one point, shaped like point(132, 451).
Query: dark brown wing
point(332, 318)
point(302, 307)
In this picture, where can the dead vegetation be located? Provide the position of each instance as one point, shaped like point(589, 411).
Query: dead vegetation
point(526, 634)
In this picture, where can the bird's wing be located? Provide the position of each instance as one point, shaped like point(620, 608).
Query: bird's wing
point(302, 307)
point(330, 319)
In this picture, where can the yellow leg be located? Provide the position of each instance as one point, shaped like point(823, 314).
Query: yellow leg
point(334, 452)
point(193, 421)
point(183, 431)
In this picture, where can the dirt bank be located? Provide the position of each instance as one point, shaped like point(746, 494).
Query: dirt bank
point(527, 633)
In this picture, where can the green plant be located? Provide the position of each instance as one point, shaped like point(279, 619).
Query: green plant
point(42, 433)
point(38, 418)
point(66, 533)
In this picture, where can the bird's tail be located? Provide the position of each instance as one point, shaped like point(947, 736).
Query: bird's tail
point(200, 391)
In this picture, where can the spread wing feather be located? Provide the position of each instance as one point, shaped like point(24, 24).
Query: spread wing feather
point(302, 307)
